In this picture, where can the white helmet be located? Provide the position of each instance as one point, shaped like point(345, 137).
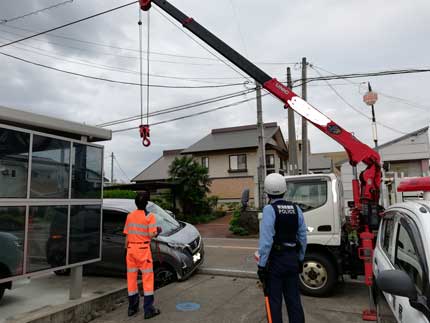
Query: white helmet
point(274, 184)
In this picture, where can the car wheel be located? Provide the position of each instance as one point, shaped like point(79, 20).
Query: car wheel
point(319, 276)
point(163, 275)
point(62, 272)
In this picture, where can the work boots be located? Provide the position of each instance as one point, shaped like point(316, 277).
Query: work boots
point(152, 313)
point(148, 307)
point(133, 304)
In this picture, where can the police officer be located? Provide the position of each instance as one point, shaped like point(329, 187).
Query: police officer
point(140, 228)
point(282, 248)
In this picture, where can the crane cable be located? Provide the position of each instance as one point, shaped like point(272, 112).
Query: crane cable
point(144, 128)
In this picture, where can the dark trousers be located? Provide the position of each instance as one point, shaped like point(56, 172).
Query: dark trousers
point(284, 281)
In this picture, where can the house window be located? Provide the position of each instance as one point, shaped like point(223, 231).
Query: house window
point(205, 162)
point(270, 161)
point(238, 163)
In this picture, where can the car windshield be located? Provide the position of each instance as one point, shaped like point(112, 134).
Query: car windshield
point(164, 220)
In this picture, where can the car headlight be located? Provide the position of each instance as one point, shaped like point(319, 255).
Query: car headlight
point(175, 245)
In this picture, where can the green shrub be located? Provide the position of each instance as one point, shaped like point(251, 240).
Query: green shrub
point(119, 194)
point(235, 228)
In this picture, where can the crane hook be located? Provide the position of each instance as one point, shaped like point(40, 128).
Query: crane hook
point(145, 5)
point(144, 134)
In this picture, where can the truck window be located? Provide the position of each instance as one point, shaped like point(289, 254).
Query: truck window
point(387, 230)
point(308, 195)
point(407, 258)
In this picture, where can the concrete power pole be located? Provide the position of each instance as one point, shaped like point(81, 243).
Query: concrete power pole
point(292, 144)
point(304, 121)
point(111, 169)
point(261, 159)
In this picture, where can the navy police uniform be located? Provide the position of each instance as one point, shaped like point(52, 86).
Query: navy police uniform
point(282, 248)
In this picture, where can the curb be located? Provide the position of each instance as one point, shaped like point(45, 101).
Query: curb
point(79, 311)
point(228, 272)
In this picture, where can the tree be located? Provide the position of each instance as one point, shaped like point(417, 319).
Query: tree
point(193, 185)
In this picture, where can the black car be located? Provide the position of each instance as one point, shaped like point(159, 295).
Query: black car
point(177, 251)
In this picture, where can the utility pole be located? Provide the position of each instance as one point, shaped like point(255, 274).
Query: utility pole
point(261, 153)
point(111, 169)
point(292, 143)
point(304, 121)
point(370, 99)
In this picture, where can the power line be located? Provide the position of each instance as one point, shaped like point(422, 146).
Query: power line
point(68, 24)
point(192, 115)
point(178, 108)
point(3, 21)
point(354, 108)
point(120, 82)
point(214, 60)
point(120, 168)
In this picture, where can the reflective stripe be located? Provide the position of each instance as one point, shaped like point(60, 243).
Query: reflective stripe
point(139, 233)
point(132, 270)
point(146, 271)
point(132, 293)
point(142, 226)
point(148, 293)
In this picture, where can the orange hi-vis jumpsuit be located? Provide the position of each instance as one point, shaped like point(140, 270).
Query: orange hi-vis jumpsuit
point(138, 229)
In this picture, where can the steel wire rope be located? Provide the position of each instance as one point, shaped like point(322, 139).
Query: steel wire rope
point(140, 66)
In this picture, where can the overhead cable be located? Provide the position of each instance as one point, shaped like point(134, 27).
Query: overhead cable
point(6, 20)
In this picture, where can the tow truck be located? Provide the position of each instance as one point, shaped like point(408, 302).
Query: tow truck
point(365, 209)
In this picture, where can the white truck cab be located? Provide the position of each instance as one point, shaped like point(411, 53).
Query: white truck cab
point(401, 263)
point(320, 196)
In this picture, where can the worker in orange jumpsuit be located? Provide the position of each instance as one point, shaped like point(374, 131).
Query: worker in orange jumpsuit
point(139, 229)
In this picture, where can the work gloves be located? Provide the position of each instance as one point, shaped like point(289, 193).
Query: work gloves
point(262, 274)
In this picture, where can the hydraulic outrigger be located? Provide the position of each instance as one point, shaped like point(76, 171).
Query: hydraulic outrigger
point(365, 211)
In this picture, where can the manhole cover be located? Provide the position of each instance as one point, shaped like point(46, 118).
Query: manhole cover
point(187, 307)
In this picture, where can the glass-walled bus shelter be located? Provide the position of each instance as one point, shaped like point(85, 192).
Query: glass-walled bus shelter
point(50, 198)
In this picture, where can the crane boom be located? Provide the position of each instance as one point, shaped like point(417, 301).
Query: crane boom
point(366, 189)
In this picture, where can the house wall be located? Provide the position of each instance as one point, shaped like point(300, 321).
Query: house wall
point(231, 188)
point(411, 148)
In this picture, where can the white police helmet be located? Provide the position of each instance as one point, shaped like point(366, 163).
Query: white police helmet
point(274, 184)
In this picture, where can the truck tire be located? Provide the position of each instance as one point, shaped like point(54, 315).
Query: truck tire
point(319, 276)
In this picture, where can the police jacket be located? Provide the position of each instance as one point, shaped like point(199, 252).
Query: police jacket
point(283, 223)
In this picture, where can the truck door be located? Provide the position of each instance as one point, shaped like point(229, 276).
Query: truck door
point(314, 196)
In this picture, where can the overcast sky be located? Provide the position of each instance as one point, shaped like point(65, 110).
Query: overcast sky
point(338, 36)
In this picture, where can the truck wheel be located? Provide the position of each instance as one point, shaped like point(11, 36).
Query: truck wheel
point(319, 275)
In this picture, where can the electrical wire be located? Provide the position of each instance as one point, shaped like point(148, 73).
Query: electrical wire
point(214, 60)
point(179, 108)
point(193, 115)
point(354, 108)
point(68, 24)
point(3, 21)
point(121, 169)
point(121, 82)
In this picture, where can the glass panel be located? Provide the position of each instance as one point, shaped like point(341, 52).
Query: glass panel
point(50, 168)
point(307, 195)
point(270, 161)
point(233, 162)
point(87, 171)
point(47, 237)
point(205, 162)
point(12, 227)
point(113, 222)
point(14, 149)
point(164, 220)
point(84, 233)
point(407, 258)
point(241, 161)
point(388, 234)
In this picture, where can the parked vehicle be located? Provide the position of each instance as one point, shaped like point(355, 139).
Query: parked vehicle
point(177, 252)
point(11, 256)
point(401, 264)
